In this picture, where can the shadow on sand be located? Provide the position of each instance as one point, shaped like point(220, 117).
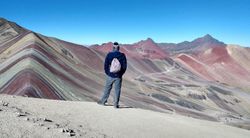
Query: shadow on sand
point(120, 107)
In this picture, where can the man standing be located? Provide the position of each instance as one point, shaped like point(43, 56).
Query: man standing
point(115, 66)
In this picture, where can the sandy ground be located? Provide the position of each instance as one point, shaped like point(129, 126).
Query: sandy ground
point(22, 117)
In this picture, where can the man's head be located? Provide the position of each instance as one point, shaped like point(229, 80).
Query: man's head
point(116, 46)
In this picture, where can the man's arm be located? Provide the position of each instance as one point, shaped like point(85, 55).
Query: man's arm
point(106, 64)
point(124, 64)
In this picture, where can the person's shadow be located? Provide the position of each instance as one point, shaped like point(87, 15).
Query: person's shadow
point(121, 106)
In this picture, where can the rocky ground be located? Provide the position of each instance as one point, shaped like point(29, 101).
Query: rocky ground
point(37, 118)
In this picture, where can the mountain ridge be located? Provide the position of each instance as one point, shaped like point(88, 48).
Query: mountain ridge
point(199, 84)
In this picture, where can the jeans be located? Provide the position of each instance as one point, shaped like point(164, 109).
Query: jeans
point(108, 87)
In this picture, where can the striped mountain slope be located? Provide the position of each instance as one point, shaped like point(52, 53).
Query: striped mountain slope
point(43, 67)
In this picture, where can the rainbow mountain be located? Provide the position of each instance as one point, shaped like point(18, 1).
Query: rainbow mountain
point(204, 78)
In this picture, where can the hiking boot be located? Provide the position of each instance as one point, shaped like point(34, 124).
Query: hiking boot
point(101, 103)
point(116, 106)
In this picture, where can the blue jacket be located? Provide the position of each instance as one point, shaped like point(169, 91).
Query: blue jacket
point(122, 59)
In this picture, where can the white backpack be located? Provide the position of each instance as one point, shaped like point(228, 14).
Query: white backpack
point(115, 66)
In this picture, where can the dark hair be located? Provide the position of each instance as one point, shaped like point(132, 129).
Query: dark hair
point(116, 43)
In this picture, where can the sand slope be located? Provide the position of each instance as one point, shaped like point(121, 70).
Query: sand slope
point(25, 117)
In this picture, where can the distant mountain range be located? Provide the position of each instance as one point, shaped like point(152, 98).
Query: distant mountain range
point(186, 47)
point(207, 57)
point(204, 78)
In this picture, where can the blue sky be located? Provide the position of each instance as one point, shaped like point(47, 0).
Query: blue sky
point(128, 21)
